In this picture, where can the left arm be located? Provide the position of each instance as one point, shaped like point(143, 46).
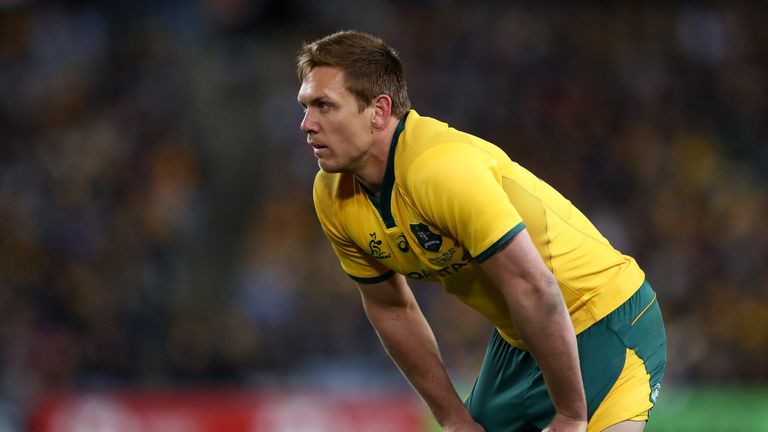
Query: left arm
point(472, 205)
point(539, 313)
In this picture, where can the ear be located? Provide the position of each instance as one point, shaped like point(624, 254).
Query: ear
point(382, 111)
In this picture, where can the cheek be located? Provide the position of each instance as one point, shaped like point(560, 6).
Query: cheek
point(346, 140)
point(351, 136)
point(359, 135)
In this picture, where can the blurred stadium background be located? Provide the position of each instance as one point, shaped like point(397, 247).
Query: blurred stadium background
point(161, 268)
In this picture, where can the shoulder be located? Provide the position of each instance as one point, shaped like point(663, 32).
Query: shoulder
point(332, 186)
point(420, 135)
point(323, 184)
point(455, 164)
point(330, 191)
point(431, 147)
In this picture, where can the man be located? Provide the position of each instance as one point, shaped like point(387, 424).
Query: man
point(578, 335)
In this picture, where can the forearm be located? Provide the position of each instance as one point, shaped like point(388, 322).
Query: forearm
point(538, 312)
point(409, 341)
point(541, 317)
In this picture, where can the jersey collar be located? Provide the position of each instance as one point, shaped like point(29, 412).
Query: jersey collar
point(384, 203)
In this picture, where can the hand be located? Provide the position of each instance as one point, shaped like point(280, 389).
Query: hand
point(566, 424)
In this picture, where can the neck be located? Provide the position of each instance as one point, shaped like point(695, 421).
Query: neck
point(373, 168)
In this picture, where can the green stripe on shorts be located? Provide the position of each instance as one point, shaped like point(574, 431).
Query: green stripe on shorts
point(510, 394)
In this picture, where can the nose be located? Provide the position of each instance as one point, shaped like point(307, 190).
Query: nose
point(308, 124)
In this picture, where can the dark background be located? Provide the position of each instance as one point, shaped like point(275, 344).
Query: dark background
point(156, 223)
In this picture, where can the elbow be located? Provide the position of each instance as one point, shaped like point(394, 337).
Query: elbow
point(547, 292)
point(540, 294)
point(397, 310)
point(550, 296)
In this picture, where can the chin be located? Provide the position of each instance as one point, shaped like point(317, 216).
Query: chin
point(329, 167)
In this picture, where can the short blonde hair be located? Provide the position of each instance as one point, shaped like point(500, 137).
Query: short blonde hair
point(371, 67)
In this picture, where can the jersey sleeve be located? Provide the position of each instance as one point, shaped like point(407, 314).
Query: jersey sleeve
point(460, 189)
point(354, 261)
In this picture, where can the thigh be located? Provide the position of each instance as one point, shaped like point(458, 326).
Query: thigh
point(510, 393)
point(498, 400)
point(638, 325)
point(622, 364)
point(627, 426)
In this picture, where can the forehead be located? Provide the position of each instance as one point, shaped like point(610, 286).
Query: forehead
point(323, 81)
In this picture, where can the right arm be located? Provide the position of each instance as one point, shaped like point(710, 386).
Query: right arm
point(410, 342)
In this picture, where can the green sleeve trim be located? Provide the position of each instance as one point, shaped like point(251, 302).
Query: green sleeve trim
point(500, 242)
point(373, 280)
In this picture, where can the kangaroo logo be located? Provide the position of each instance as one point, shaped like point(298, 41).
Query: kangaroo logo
point(375, 246)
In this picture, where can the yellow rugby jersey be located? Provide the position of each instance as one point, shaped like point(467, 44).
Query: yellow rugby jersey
point(448, 201)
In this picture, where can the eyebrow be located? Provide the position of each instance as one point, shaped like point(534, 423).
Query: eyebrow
point(315, 100)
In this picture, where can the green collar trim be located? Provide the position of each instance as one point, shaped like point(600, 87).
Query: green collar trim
point(384, 204)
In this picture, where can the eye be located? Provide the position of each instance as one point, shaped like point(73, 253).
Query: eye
point(324, 106)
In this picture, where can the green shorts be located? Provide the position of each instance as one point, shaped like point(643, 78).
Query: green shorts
point(622, 360)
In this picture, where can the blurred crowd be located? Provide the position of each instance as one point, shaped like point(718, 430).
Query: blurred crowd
point(156, 223)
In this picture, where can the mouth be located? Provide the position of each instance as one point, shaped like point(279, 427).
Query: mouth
point(317, 148)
